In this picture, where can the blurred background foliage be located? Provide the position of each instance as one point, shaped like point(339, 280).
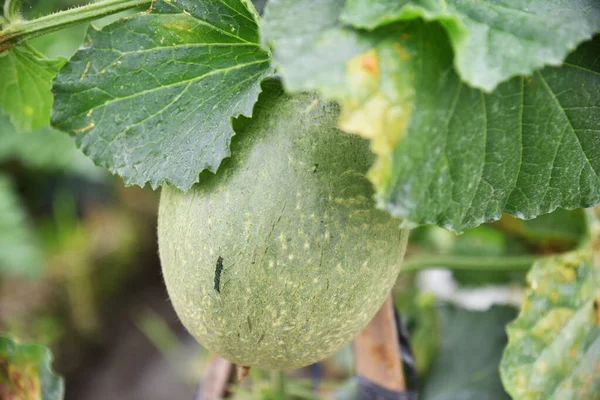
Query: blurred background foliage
point(79, 273)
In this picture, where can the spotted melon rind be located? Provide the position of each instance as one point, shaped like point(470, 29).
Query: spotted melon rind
point(281, 257)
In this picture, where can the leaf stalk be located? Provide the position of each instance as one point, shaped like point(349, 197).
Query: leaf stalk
point(19, 31)
point(470, 263)
point(11, 10)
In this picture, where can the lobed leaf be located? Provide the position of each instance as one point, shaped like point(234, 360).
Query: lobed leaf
point(26, 372)
point(493, 41)
point(25, 87)
point(554, 344)
point(151, 97)
point(447, 153)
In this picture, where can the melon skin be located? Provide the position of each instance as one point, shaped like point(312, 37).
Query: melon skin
point(281, 257)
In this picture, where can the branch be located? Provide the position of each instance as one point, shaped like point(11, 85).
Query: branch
point(219, 373)
point(19, 31)
point(377, 352)
point(470, 263)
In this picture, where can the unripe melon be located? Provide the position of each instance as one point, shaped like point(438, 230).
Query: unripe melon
point(280, 257)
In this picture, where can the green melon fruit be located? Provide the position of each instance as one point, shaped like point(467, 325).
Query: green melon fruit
point(281, 257)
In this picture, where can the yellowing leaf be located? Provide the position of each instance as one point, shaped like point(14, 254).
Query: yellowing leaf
point(373, 112)
point(26, 372)
point(554, 344)
point(448, 153)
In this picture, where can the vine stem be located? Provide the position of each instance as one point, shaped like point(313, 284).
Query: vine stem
point(278, 379)
point(11, 9)
point(21, 30)
point(508, 263)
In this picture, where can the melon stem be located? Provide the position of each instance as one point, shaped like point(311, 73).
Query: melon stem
point(278, 381)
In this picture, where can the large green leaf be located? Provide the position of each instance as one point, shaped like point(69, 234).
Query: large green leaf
point(25, 83)
point(44, 148)
point(471, 345)
point(19, 250)
point(26, 372)
point(448, 154)
point(554, 344)
point(151, 97)
point(493, 41)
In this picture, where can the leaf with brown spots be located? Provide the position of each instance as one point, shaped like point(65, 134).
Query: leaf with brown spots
point(26, 372)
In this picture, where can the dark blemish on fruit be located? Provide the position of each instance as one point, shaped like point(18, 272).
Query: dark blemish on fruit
point(315, 168)
point(218, 271)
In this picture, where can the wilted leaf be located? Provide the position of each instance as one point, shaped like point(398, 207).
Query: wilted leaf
point(26, 372)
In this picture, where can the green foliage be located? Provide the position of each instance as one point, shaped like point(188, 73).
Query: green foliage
point(493, 41)
point(486, 241)
point(151, 97)
point(558, 231)
point(420, 316)
point(25, 87)
point(554, 344)
point(19, 251)
point(26, 372)
point(468, 348)
point(43, 149)
point(473, 108)
point(466, 366)
point(509, 241)
point(448, 154)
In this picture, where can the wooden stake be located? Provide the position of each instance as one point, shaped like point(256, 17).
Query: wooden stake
point(377, 352)
point(242, 372)
point(219, 373)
